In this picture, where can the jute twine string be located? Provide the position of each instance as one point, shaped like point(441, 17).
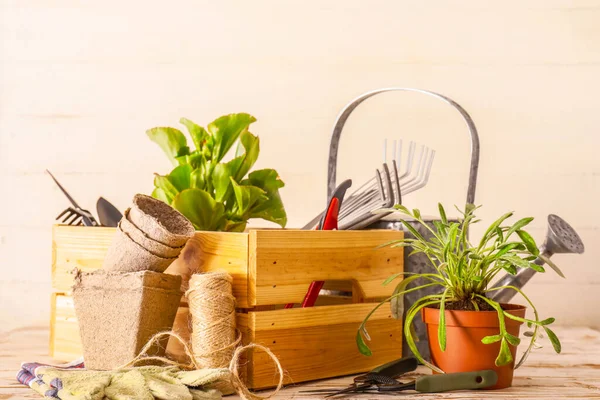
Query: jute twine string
point(212, 318)
point(214, 337)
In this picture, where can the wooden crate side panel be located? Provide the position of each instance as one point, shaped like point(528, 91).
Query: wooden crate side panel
point(77, 247)
point(284, 263)
point(319, 342)
point(66, 343)
point(216, 251)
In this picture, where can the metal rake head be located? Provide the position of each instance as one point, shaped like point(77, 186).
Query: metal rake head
point(74, 216)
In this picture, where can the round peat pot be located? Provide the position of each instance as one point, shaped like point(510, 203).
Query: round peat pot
point(464, 350)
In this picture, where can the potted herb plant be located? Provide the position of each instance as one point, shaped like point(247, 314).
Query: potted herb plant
point(468, 330)
point(216, 195)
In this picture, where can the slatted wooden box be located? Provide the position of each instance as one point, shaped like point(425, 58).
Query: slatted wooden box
point(270, 268)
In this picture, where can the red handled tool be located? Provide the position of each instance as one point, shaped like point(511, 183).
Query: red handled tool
point(328, 223)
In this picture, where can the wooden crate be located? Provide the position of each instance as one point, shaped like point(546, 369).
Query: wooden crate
point(271, 268)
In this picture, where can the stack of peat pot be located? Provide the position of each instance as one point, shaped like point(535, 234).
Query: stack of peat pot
point(122, 306)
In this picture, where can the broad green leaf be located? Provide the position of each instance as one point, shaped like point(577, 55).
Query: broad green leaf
point(443, 216)
point(553, 339)
point(180, 177)
point(246, 197)
point(166, 186)
point(160, 194)
point(197, 179)
point(529, 242)
point(221, 179)
point(235, 226)
point(505, 356)
point(198, 133)
point(225, 131)
point(271, 209)
point(201, 209)
point(362, 346)
point(491, 339)
point(245, 158)
point(518, 225)
point(171, 141)
point(547, 321)
point(551, 264)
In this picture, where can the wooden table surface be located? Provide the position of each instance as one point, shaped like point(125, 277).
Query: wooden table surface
point(574, 374)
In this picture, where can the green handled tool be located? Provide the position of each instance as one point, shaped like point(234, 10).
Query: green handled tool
point(445, 382)
point(382, 380)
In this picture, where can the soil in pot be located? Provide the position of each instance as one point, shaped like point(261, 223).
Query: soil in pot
point(464, 350)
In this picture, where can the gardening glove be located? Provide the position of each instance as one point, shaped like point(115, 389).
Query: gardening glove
point(141, 383)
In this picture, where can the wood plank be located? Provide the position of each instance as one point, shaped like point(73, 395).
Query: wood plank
point(286, 262)
point(325, 336)
point(214, 251)
point(77, 247)
point(570, 375)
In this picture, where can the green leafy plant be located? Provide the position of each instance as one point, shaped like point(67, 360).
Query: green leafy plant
point(216, 195)
point(463, 272)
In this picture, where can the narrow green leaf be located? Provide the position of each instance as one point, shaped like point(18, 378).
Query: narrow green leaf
point(491, 339)
point(443, 216)
point(529, 242)
point(547, 321)
point(417, 213)
point(362, 346)
point(442, 322)
point(553, 339)
point(511, 339)
point(515, 260)
point(518, 225)
point(551, 264)
point(537, 268)
point(493, 227)
point(397, 300)
point(505, 356)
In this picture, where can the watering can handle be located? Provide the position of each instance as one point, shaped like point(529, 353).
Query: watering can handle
point(343, 116)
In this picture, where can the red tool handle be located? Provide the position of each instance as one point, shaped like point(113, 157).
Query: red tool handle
point(329, 223)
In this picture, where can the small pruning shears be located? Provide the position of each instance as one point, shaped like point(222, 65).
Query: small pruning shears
point(383, 380)
point(329, 222)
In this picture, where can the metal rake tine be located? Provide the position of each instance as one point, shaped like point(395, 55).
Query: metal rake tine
point(424, 182)
point(398, 190)
point(421, 174)
point(419, 163)
point(409, 160)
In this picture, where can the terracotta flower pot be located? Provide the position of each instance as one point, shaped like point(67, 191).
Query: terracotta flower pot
point(464, 350)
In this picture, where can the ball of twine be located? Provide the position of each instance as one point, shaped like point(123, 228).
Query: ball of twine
point(212, 318)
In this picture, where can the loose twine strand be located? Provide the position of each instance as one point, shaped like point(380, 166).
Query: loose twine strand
point(211, 317)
